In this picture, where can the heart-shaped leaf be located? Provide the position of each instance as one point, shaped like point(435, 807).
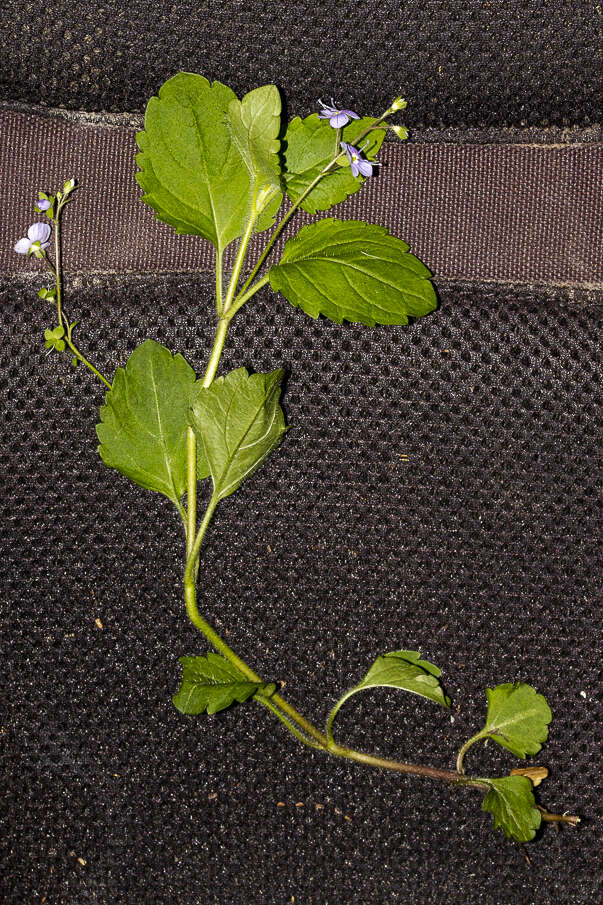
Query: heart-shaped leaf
point(518, 718)
point(511, 802)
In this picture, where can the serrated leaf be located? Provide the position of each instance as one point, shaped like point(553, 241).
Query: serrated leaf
point(191, 169)
point(511, 802)
point(310, 146)
point(401, 669)
point(254, 124)
point(239, 421)
point(212, 683)
point(144, 421)
point(354, 271)
point(517, 718)
point(404, 669)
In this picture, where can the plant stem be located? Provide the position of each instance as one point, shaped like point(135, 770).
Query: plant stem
point(401, 767)
point(219, 277)
point(464, 748)
point(244, 297)
point(62, 318)
point(239, 260)
point(191, 489)
point(278, 230)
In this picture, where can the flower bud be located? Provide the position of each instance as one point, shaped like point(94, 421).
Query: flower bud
point(400, 131)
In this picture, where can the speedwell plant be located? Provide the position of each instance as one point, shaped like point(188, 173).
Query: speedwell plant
point(212, 165)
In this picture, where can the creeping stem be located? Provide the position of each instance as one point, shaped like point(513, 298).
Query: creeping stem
point(301, 728)
point(298, 725)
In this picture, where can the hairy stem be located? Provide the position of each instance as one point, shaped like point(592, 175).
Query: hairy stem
point(401, 767)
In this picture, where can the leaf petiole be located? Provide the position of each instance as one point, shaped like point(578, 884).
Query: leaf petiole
point(464, 748)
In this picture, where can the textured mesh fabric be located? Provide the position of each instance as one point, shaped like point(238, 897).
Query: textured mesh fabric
point(459, 62)
point(437, 491)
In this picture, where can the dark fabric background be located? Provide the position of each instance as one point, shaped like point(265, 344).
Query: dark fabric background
point(438, 490)
point(459, 62)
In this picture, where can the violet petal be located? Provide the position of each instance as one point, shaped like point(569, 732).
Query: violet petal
point(23, 246)
point(39, 232)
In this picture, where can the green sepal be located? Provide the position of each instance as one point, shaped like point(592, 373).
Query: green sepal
point(47, 293)
point(517, 718)
point(212, 683)
point(310, 147)
point(354, 271)
point(144, 421)
point(54, 338)
point(238, 422)
point(511, 802)
point(403, 669)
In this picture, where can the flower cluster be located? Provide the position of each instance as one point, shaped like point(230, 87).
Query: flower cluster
point(337, 119)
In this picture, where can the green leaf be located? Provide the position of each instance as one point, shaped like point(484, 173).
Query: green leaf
point(254, 124)
point(310, 146)
point(192, 171)
point(354, 271)
point(511, 802)
point(212, 683)
point(517, 718)
point(402, 669)
point(144, 421)
point(238, 421)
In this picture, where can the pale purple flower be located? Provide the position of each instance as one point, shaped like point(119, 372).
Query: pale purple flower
point(37, 237)
point(42, 205)
point(337, 118)
point(358, 165)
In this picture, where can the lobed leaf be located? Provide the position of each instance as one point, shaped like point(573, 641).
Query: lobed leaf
point(511, 802)
point(212, 683)
point(517, 718)
point(144, 421)
point(310, 146)
point(195, 168)
point(238, 421)
point(354, 271)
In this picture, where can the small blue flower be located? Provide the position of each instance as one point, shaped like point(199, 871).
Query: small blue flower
point(37, 238)
point(337, 118)
point(43, 205)
point(358, 166)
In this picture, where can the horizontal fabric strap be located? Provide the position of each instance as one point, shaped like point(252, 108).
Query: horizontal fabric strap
point(506, 212)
